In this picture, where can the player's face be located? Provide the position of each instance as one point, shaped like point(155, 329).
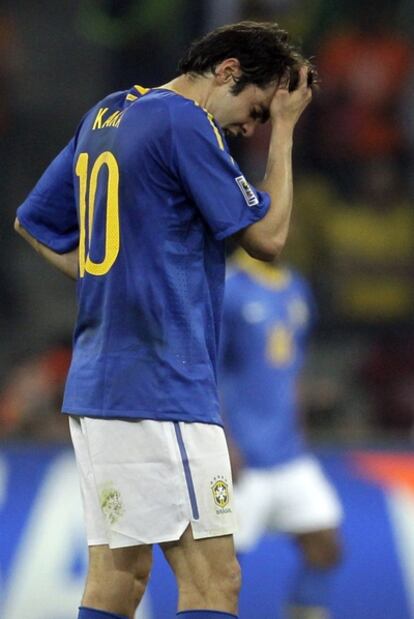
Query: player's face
point(240, 114)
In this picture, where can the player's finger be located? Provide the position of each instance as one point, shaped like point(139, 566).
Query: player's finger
point(284, 81)
point(303, 76)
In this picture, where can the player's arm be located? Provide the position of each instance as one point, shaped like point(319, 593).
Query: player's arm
point(266, 238)
point(67, 262)
point(47, 219)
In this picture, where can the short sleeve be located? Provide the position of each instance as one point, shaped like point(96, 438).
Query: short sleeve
point(49, 212)
point(211, 178)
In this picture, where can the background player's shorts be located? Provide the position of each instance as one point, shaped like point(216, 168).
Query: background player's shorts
point(294, 497)
point(143, 482)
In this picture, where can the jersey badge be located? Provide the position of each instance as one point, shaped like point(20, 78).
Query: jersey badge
point(254, 312)
point(247, 191)
point(298, 313)
point(220, 490)
point(111, 503)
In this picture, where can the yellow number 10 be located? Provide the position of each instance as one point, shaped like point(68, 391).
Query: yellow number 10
point(280, 345)
point(87, 207)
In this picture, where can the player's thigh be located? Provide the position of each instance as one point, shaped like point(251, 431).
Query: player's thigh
point(321, 549)
point(203, 563)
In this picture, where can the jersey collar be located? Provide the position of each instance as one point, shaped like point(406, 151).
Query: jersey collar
point(270, 275)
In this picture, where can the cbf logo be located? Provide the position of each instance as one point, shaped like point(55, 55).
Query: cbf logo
point(111, 503)
point(220, 490)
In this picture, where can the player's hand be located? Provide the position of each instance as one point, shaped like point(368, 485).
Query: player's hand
point(286, 107)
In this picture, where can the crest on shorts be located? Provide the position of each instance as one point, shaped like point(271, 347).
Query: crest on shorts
point(111, 503)
point(220, 490)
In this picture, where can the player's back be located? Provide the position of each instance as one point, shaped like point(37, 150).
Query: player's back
point(147, 191)
point(266, 320)
point(143, 247)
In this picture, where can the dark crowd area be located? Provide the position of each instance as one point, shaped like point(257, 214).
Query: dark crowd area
point(352, 233)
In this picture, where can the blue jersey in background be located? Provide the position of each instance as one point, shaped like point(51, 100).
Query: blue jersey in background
point(149, 191)
point(267, 315)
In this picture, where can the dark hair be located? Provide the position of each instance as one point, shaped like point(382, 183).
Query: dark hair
point(262, 48)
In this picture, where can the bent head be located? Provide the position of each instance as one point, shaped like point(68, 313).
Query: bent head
point(250, 60)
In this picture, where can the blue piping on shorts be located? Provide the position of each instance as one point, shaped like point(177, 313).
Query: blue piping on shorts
point(187, 471)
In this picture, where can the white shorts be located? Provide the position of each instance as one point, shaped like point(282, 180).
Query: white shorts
point(293, 498)
point(143, 482)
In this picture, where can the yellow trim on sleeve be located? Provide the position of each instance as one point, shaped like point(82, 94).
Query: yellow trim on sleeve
point(216, 131)
point(210, 118)
point(130, 97)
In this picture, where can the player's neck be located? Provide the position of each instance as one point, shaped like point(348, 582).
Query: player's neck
point(196, 88)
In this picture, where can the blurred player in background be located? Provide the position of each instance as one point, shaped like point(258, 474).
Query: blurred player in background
point(149, 192)
point(268, 311)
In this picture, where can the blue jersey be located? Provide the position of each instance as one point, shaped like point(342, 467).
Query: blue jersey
point(267, 314)
point(149, 191)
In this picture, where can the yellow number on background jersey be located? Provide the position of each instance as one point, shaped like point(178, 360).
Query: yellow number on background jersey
point(279, 350)
point(87, 208)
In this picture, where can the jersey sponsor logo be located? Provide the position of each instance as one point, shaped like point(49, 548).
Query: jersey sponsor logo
point(221, 495)
point(247, 191)
point(111, 504)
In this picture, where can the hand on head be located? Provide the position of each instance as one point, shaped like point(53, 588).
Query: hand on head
point(287, 105)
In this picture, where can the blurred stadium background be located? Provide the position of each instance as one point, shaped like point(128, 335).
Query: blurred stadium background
point(352, 237)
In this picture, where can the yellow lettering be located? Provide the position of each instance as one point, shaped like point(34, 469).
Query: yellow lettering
point(111, 120)
point(87, 208)
point(118, 120)
point(98, 118)
point(280, 345)
point(82, 171)
point(112, 213)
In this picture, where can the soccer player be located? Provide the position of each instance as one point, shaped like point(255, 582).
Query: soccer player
point(137, 208)
point(268, 311)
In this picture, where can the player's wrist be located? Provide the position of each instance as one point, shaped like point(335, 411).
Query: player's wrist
point(283, 128)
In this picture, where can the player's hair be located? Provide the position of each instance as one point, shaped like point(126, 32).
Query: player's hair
point(262, 48)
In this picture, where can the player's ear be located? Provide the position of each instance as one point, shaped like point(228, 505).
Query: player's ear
point(227, 70)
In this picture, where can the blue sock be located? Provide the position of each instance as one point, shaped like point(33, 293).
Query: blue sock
point(92, 613)
point(205, 614)
point(313, 588)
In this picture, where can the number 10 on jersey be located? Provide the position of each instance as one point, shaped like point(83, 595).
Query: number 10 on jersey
point(87, 197)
